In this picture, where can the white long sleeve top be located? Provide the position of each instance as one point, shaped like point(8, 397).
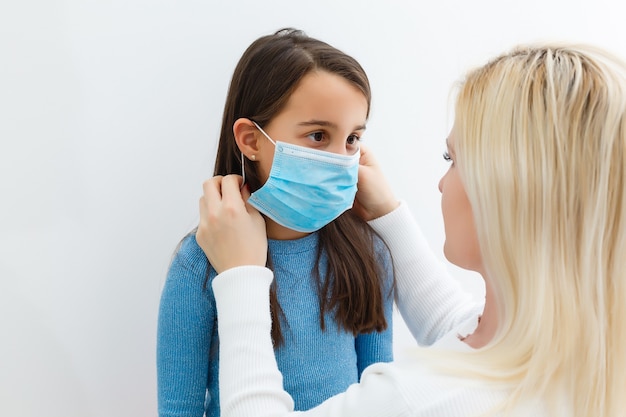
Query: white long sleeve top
point(432, 305)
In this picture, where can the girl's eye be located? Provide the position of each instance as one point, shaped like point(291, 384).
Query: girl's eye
point(317, 136)
point(352, 139)
point(447, 157)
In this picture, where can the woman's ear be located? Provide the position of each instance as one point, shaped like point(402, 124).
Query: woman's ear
point(246, 137)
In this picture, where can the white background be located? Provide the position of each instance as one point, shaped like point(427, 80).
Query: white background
point(109, 114)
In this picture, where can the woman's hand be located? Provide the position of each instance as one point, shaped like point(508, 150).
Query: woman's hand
point(231, 233)
point(374, 197)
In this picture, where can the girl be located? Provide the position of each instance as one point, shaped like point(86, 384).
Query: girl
point(294, 115)
point(535, 201)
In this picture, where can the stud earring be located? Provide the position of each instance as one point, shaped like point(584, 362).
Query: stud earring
point(253, 157)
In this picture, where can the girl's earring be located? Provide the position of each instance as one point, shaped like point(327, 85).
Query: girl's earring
point(253, 157)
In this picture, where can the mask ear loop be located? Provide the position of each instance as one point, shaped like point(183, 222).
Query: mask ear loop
point(243, 173)
point(264, 134)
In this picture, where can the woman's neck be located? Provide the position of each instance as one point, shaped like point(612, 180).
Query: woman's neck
point(487, 323)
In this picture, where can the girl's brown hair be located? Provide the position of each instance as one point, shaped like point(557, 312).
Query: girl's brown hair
point(264, 79)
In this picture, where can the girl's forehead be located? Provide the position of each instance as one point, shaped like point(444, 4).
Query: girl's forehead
point(327, 97)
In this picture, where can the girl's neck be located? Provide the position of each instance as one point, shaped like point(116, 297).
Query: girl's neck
point(487, 323)
point(277, 232)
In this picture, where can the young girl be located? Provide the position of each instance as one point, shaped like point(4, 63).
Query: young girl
point(535, 201)
point(293, 118)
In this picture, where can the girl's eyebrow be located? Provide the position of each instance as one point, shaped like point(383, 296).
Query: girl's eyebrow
point(325, 123)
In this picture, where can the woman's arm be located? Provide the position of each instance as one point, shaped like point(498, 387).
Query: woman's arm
point(241, 296)
point(250, 382)
point(431, 302)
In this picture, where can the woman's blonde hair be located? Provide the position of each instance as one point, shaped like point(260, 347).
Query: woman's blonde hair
point(540, 142)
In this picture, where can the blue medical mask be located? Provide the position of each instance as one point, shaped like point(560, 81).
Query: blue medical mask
point(306, 188)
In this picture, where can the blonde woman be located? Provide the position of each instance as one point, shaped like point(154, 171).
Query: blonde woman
point(534, 200)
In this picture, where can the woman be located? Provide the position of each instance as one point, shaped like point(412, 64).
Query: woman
point(535, 201)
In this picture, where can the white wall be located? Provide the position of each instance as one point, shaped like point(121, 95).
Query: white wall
point(109, 113)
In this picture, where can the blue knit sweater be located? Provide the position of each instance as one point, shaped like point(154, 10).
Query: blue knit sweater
point(315, 364)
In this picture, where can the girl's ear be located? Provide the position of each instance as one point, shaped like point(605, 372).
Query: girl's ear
point(246, 137)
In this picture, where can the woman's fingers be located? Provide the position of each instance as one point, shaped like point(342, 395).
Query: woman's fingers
point(230, 232)
point(374, 197)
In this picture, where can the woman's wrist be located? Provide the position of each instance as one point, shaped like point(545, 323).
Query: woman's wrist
point(383, 209)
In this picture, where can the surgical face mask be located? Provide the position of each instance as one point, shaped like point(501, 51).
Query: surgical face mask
point(306, 188)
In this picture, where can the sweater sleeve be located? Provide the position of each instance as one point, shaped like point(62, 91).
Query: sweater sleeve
point(185, 324)
point(250, 382)
point(431, 302)
point(375, 346)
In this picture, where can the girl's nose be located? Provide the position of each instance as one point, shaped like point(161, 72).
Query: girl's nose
point(339, 147)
